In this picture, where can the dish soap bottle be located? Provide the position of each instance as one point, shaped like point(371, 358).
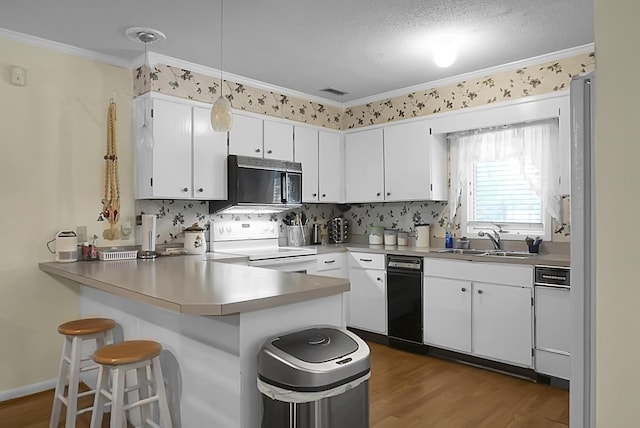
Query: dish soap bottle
point(448, 237)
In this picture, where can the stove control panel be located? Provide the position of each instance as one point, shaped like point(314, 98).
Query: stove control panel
point(243, 230)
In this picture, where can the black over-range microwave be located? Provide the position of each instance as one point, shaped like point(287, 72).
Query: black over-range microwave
point(260, 185)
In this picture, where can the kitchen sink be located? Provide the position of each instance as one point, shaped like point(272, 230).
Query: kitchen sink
point(511, 254)
point(463, 251)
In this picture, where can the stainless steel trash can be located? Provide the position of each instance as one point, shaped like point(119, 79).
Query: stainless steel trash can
point(315, 378)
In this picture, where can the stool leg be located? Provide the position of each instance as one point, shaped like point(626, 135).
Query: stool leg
point(158, 379)
point(99, 399)
point(117, 398)
point(74, 379)
point(63, 372)
point(143, 392)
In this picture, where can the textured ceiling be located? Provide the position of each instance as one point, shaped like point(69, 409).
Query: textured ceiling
point(363, 47)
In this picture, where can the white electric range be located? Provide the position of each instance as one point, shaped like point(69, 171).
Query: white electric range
point(258, 240)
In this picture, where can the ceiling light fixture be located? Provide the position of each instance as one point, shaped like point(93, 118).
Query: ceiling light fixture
point(145, 36)
point(221, 115)
point(444, 54)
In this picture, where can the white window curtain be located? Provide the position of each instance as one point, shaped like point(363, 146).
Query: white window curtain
point(535, 145)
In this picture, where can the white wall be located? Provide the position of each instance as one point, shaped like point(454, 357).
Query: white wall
point(53, 136)
point(618, 203)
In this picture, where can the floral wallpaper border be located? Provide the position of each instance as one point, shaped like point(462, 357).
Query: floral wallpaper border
point(183, 83)
point(513, 84)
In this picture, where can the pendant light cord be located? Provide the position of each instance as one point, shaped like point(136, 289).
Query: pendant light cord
point(221, 44)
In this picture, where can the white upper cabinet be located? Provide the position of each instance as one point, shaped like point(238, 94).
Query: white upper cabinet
point(209, 157)
point(415, 163)
point(245, 136)
point(396, 163)
point(364, 166)
point(331, 167)
point(306, 152)
point(321, 155)
point(188, 158)
point(278, 140)
point(253, 136)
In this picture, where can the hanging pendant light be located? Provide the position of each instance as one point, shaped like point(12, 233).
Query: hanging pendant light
point(221, 114)
point(146, 36)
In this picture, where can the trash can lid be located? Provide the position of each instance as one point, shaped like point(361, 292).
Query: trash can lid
point(316, 345)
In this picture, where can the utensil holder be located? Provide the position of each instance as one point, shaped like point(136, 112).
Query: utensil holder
point(298, 236)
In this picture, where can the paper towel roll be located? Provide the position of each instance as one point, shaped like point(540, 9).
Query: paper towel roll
point(148, 232)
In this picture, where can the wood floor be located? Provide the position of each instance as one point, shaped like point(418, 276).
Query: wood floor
point(406, 390)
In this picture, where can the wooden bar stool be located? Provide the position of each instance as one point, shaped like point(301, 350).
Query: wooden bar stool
point(143, 357)
point(71, 364)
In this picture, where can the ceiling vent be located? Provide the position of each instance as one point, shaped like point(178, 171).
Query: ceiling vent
point(334, 91)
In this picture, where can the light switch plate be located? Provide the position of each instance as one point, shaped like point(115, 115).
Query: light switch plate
point(18, 75)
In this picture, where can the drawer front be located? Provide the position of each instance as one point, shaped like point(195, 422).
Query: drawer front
point(367, 260)
point(494, 273)
point(330, 261)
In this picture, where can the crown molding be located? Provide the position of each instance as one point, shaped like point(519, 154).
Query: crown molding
point(552, 56)
point(63, 48)
point(156, 58)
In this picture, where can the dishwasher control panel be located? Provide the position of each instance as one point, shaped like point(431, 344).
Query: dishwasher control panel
point(553, 276)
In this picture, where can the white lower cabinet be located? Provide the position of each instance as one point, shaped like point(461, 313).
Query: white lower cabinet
point(332, 264)
point(368, 295)
point(484, 309)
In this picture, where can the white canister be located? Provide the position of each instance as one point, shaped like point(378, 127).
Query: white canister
point(390, 237)
point(422, 235)
point(403, 238)
point(376, 235)
point(194, 240)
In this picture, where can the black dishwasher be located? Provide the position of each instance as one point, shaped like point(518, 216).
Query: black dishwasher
point(404, 299)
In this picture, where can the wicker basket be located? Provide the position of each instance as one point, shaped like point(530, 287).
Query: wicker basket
point(117, 255)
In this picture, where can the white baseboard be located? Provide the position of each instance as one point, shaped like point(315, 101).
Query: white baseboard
point(27, 390)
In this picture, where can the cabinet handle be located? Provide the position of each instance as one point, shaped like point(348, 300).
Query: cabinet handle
point(378, 194)
point(366, 260)
point(379, 279)
point(200, 190)
point(324, 195)
point(388, 193)
point(269, 151)
point(257, 150)
point(463, 289)
point(185, 189)
point(480, 291)
point(326, 262)
point(314, 195)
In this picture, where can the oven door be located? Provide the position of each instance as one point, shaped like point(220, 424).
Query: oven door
point(299, 264)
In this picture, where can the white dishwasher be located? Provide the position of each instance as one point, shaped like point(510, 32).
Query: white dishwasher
point(552, 321)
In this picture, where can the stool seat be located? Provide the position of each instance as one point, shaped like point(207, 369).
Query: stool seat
point(128, 352)
point(86, 326)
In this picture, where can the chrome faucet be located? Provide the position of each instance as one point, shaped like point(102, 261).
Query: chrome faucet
point(495, 239)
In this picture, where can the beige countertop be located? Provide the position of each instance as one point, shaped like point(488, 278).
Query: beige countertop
point(549, 259)
point(197, 286)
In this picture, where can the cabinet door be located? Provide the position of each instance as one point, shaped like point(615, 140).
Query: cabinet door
point(331, 167)
point(367, 300)
point(501, 323)
point(447, 313)
point(407, 162)
point(209, 158)
point(553, 319)
point(364, 166)
point(172, 150)
point(306, 152)
point(278, 140)
point(245, 136)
